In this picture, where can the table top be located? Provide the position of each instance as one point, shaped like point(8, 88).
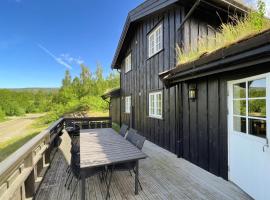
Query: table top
point(100, 147)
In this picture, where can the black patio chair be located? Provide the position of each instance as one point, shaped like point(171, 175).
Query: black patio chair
point(75, 149)
point(75, 167)
point(135, 138)
point(73, 129)
point(138, 141)
point(123, 130)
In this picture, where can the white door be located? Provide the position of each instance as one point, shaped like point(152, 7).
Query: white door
point(249, 133)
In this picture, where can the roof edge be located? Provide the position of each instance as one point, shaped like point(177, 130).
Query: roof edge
point(257, 45)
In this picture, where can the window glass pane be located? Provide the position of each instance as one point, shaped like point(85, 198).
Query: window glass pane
point(257, 127)
point(151, 104)
point(239, 124)
point(151, 44)
point(158, 39)
point(239, 90)
point(158, 111)
point(257, 88)
point(257, 108)
point(239, 107)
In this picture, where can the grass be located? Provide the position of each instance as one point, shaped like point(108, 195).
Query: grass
point(116, 127)
point(98, 113)
point(11, 145)
point(236, 30)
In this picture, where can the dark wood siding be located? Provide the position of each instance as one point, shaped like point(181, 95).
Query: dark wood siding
point(115, 109)
point(204, 131)
point(180, 131)
point(143, 79)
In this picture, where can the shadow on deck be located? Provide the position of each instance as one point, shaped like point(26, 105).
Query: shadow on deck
point(162, 174)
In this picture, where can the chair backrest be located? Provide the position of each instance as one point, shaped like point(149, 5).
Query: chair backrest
point(135, 138)
point(123, 130)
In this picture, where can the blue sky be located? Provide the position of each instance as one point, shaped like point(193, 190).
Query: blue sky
point(40, 39)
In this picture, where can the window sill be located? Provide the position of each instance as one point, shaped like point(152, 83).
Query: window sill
point(155, 54)
point(127, 113)
point(155, 117)
point(128, 71)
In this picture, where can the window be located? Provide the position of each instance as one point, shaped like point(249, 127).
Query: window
point(155, 41)
point(128, 63)
point(249, 107)
point(155, 104)
point(127, 104)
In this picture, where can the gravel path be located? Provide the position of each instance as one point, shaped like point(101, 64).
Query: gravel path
point(16, 126)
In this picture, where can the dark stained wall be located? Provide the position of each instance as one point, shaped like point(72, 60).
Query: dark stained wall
point(203, 134)
point(143, 79)
point(115, 109)
point(203, 125)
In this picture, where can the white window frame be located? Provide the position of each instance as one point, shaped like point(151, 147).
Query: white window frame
point(155, 40)
point(128, 64)
point(127, 104)
point(154, 107)
point(231, 114)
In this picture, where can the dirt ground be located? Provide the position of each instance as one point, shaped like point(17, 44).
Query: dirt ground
point(16, 126)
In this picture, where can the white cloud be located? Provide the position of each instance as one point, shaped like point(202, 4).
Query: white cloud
point(72, 60)
point(59, 60)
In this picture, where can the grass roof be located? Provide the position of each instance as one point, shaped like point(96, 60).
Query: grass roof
point(236, 30)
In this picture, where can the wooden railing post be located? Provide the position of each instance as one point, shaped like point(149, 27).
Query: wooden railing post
point(30, 185)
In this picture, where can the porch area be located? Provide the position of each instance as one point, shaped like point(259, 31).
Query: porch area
point(162, 175)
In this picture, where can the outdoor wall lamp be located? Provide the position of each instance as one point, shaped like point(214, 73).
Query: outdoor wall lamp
point(192, 92)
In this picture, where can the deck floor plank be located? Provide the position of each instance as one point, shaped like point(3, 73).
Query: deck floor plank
point(162, 175)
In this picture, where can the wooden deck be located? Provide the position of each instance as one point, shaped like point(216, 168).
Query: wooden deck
point(162, 174)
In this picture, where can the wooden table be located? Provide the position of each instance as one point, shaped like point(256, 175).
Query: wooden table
point(104, 147)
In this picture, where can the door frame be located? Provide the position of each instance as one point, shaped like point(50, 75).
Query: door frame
point(263, 141)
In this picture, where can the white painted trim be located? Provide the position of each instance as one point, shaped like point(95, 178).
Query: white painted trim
point(127, 108)
point(153, 34)
point(128, 66)
point(154, 94)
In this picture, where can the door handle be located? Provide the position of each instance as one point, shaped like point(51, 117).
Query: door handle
point(266, 145)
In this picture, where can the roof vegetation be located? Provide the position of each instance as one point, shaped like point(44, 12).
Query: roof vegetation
point(238, 29)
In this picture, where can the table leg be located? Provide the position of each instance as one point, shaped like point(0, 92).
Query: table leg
point(83, 187)
point(136, 177)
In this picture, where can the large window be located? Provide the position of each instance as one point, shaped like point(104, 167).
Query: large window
point(249, 107)
point(127, 104)
point(155, 104)
point(128, 63)
point(155, 41)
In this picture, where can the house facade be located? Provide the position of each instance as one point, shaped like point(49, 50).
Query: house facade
point(156, 102)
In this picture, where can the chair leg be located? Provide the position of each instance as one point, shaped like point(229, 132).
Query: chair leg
point(74, 189)
point(109, 185)
point(70, 183)
point(138, 180)
point(67, 179)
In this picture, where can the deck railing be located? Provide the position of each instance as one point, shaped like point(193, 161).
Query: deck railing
point(22, 172)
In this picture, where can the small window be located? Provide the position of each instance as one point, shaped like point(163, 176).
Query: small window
point(127, 104)
point(155, 104)
point(155, 41)
point(128, 63)
point(249, 107)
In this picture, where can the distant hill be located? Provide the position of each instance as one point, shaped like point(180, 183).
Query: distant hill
point(32, 89)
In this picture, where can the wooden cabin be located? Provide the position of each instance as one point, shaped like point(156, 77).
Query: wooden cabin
point(157, 100)
point(113, 98)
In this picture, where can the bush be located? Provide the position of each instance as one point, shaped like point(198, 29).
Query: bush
point(2, 115)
